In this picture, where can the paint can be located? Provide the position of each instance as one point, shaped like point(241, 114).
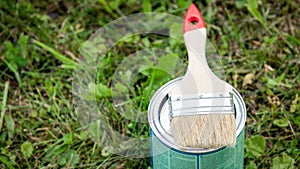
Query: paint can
point(166, 155)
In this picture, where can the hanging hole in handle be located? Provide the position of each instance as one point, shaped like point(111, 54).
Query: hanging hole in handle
point(193, 20)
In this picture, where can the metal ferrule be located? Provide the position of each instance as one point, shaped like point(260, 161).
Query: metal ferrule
point(210, 103)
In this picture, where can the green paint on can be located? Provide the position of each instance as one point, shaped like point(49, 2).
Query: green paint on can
point(165, 154)
point(225, 158)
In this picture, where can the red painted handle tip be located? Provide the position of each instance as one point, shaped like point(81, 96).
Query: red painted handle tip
point(193, 19)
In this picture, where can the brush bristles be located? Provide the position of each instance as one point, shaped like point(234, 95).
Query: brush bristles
point(204, 131)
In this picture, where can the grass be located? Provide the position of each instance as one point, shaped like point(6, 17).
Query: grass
point(258, 44)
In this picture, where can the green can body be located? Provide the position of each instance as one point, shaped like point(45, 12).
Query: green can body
point(166, 155)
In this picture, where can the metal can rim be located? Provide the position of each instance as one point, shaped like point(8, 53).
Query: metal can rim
point(159, 99)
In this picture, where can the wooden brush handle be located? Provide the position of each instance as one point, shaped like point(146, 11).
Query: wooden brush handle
point(199, 77)
point(194, 29)
point(195, 42)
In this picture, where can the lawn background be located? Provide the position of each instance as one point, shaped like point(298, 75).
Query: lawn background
point(258, 42)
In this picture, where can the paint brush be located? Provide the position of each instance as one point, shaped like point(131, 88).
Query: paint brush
point(201, 105)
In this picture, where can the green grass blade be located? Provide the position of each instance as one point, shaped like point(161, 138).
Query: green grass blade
point(5, 161)
point(108, 9)
point(4, 103)
point(293, 39)
point(70, 63)
point(14, 71)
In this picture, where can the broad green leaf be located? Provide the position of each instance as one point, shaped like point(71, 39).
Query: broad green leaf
point(146, 42)
point(281, 122)
point(167, 63)
point(294, 143)
point(16, 54)
point(251, 165)
point(68, 158)
point(22, 42)
point(9, 46)
point(147, 7)
point(21, 62)
point(114, 4)
point(256, 14)
point(255, 145)
point(131, 38)
point(284, 162)
point(100, 90)
point(280, 78)
point(252, 8)
point(62, 161)
point(175, 30)
point(10, 56)
point(14, 58)
point(27, 149)
point(183, 3)
point(121, 88)
point(68, 138)
point(3, 137)
point(103, 90)
point(270, 40)
point(83, 135)
point(10, 125)
point(296, 120)
point(271, 83)
point(252, 4)
point(240, 3)
point(157, 78)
